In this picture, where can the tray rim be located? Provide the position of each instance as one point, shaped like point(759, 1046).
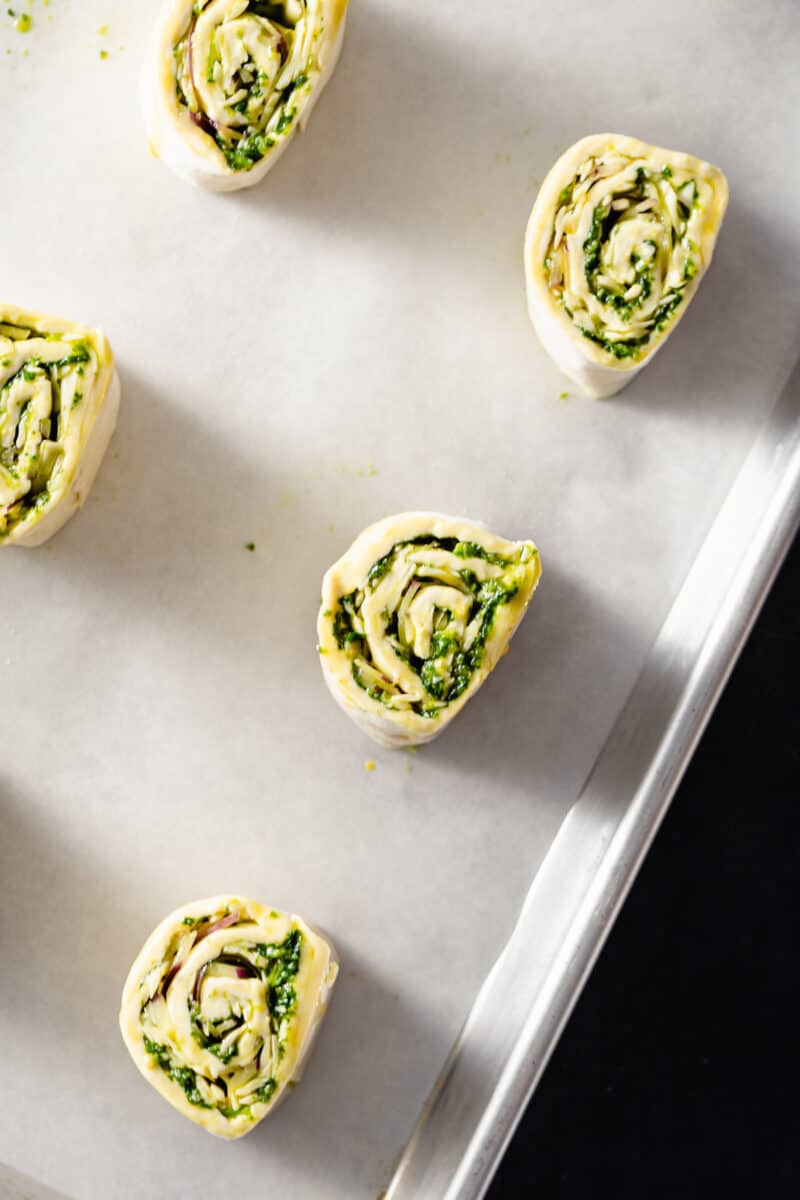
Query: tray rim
point(458, 1142)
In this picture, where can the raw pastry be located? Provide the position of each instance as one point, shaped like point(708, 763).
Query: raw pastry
point(59, 398)
point(228, 82)
point(414, 617)
point(221, 1007)
point(619, 238)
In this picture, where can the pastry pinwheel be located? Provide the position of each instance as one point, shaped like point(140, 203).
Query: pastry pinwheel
point(227, 83)
point(221, 1007)
point(59, 398)
point(619, 238)
point(414, 617)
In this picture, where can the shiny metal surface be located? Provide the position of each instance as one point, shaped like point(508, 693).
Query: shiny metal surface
point(525, 1002)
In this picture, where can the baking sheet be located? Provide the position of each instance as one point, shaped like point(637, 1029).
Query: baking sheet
point(346, 341)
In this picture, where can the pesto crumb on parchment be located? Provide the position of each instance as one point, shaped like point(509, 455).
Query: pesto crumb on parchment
point(24, 20)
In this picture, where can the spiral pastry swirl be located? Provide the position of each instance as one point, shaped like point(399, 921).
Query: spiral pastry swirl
point(220, 1009)
point(228, 82)
point(618, 241)
point(415, 616)
point(59, 397)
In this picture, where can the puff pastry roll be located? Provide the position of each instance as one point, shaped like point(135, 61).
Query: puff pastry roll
point(415, 616)
point(59, 398)
point(619, 238)
point(221, 1007)
point(227, 83)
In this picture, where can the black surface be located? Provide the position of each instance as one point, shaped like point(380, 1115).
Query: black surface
point(677, 1075)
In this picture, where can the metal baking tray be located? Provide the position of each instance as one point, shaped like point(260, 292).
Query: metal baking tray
point(494, 1067)
point(349, 340)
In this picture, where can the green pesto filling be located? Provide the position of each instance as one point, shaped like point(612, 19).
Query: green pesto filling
point(447, 671)
point(185, 1077)
point(604, 219)
point(262, 116)
point(281, 964)
point(277, 965)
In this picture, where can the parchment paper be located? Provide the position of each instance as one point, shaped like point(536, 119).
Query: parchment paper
point(348, 340)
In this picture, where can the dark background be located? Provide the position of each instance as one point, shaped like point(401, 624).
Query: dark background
point(678, 1075)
